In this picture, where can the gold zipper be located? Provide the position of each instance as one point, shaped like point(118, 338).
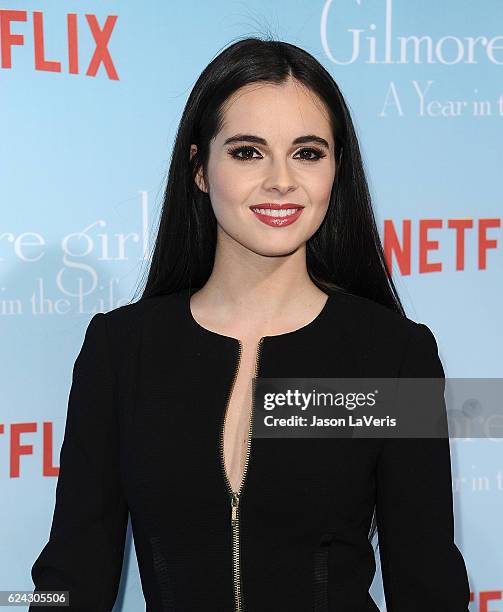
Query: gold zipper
point(235, 495)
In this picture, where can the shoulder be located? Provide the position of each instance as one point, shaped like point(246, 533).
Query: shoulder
point(366, 313)
point(135, 312)
point(129, 321)
point(385, 331)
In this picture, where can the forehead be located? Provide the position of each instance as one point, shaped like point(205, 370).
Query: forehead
point(286, 109)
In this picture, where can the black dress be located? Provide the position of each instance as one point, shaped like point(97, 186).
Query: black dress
point(144, 435)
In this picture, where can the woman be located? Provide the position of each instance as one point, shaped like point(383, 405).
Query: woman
point(267, 263)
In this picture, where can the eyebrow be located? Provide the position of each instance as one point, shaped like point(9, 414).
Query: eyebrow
point(258, 140)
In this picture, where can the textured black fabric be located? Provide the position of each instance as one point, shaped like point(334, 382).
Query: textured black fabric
point(142, 436)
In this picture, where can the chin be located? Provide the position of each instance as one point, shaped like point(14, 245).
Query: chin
point(276, 250)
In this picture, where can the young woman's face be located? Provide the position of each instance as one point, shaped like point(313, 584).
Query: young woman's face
point(247, 173)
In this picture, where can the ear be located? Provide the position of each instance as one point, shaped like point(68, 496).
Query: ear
point(199, 179)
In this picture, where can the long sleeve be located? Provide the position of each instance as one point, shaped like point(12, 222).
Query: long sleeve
point(85, 550)
point(422, 568)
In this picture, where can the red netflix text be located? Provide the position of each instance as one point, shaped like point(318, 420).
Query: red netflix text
point(484, 597)
point(19, 433)
point(398, 243)
point(101, 37)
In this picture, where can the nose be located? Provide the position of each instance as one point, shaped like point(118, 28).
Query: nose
point(280, 176)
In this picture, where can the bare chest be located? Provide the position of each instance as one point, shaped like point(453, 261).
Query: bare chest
point(238, 415)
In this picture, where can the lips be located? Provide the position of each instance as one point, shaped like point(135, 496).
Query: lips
point(277, 215)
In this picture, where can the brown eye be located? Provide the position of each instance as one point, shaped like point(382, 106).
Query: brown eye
point(245, 150)
point(318, 154)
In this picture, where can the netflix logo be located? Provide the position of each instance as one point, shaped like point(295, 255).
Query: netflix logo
point(457, 234)
point(33, 26)
point(483, 598)
point(18, 447)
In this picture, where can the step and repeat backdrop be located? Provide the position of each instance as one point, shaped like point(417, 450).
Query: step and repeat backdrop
point(90, 97)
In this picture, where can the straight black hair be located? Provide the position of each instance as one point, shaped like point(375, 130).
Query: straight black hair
point(344, 254)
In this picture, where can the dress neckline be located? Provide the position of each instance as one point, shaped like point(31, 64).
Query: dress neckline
point(308, 327)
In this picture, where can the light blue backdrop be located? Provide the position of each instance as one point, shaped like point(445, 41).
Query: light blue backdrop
point(83, 161)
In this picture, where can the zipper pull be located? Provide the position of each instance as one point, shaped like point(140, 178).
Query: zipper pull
point(234, 507)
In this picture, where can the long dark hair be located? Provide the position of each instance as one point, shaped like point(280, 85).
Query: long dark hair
point(344, 254)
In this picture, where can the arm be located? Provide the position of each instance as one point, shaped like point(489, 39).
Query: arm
point(422, 568)
point(85, 550)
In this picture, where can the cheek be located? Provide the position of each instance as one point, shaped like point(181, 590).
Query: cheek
point(227, 190)
point(326, 183)
point(320, 192)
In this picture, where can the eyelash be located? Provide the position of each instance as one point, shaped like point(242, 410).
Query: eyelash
point(234, 151)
